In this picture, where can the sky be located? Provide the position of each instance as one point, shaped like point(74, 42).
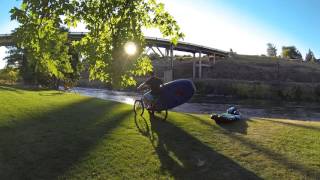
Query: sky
point(246, 26)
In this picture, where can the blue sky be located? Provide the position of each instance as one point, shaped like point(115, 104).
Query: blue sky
point(246, 26)
point(297, 19)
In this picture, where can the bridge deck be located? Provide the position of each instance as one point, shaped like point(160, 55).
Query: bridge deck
point(7, 40)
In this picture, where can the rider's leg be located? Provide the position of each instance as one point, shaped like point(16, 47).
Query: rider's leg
point(153, 101)
point(148, 100)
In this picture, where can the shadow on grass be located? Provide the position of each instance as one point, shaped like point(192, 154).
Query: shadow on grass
point(47, 146)
point(274, 156)
point(8, 88)
point(17, 87)
point(185, 157)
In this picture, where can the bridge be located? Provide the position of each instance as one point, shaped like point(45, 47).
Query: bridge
point(154, 44)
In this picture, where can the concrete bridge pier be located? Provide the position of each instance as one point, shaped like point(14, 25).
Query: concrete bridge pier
point(169, 74)
point(200, 65)
point(171, 56)
point(194, 66)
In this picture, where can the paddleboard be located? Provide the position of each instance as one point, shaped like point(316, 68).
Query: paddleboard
point(175, 93)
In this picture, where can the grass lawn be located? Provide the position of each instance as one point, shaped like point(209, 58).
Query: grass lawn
point(54, 135)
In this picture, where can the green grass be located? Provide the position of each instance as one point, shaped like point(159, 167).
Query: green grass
point(54, 135)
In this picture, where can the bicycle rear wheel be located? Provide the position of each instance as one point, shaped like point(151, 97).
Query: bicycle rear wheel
point(162, 115)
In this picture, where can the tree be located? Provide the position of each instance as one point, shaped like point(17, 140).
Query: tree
point(114, 23)
point(16, 59)
point(271, 50)
point(15, 56)
point(291, 52)
point(9, 74)
point(310, 57)
point(110, 23)
point(43, 39)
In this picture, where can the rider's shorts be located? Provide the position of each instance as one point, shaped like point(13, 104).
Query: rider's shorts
point(149, 97)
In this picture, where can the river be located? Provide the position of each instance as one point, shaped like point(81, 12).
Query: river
point(215, 104)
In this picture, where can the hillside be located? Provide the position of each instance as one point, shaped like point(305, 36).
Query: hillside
point(255, 77)
point(254, 68)
point(250, 68)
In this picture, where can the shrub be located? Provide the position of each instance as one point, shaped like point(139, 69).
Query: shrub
point(9, 75)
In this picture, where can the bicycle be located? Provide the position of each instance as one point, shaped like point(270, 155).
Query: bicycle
point(154, 111)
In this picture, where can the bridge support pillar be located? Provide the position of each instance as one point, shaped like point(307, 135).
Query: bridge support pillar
point(200, 66)
point(171, 58)
point(194, 66)
point(167, 52)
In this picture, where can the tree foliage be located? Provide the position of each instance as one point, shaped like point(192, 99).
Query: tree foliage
point(310, 57)
point(16, 59)
point(15, 56)
point(271, 50)
point(43, 39)
point(9, 75)
point(111, 23)
point(291, 52)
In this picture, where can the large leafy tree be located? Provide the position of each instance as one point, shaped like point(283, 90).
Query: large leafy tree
point(111, 23)
point(43, 39)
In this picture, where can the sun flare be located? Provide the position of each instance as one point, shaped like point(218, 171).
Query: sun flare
point(130, 48)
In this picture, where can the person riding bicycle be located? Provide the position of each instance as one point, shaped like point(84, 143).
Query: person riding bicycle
point(154, 84)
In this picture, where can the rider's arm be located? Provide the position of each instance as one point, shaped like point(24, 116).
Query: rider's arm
point(144, 85)
point(141, 86)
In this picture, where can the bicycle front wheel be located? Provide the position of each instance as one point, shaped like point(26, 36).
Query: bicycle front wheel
point(138, 107)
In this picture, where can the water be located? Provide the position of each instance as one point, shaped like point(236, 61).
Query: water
point(118, 96)
point(213, 104)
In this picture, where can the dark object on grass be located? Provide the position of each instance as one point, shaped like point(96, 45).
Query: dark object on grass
point(231, 115)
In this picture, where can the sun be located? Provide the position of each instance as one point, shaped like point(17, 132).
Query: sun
point(130, 48)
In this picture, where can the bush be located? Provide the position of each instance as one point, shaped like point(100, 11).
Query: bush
point(259, 90)
point(9, 75)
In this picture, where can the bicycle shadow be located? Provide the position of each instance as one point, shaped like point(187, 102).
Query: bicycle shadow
point(185, 157)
